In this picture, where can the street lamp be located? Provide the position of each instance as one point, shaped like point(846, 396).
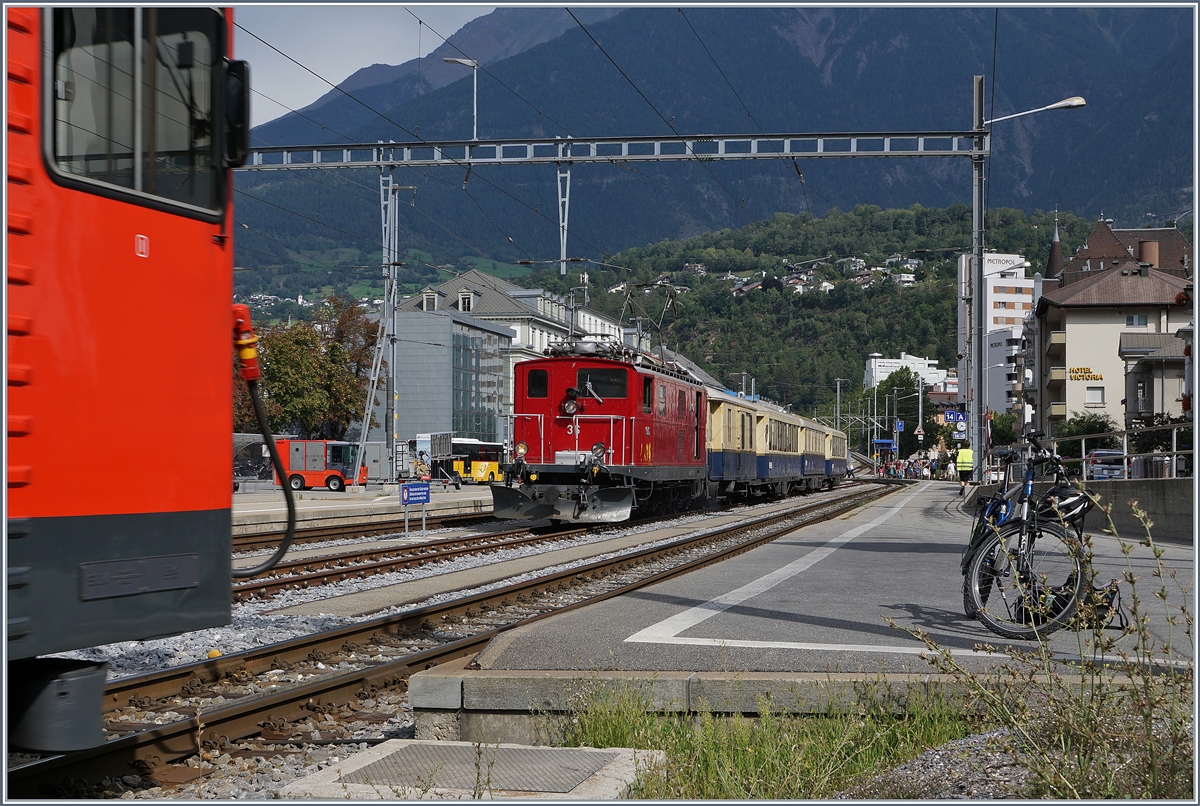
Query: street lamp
point(875, 410)
point(474, 65)
point(980, 135)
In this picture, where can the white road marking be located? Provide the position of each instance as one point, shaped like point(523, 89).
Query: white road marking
point(668, 630)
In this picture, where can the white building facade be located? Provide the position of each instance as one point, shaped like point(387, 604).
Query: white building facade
point(1007, 299)
point(879, 368)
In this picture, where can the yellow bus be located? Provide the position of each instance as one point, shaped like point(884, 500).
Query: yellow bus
point(477, 461)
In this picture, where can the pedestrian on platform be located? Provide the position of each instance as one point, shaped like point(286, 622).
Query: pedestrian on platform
point(964, 461)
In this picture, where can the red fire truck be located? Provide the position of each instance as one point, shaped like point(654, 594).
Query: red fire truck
point(319, 463)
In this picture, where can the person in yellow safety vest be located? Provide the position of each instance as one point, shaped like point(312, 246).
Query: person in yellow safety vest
point(965, 463)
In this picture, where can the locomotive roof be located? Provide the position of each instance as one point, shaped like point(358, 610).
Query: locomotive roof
point(612, 350)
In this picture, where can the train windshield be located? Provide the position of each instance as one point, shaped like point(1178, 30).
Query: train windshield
point(135, 100)
point(604, 383)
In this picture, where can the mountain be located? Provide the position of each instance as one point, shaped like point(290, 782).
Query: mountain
point(1127, 154)
point(504, 33)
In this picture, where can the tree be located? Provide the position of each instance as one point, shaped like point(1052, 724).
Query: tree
point(350, 352)
point(1081, 425)
point(315, 374)
point(1004, 428)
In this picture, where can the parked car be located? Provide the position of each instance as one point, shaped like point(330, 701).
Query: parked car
point(1105, 464)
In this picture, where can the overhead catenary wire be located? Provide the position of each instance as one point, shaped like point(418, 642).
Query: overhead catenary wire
point(532, 208)
point(749, 114)
point(649, 103)
point(462, 163)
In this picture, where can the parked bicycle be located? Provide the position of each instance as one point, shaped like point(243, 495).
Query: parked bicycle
point(1024, 575)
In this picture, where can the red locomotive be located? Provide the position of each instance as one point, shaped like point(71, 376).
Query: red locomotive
point(600, 429)
point(124, 125)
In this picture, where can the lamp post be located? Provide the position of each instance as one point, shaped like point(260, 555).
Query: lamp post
point(875, 410)
point(474, 65)
point(838, 416)
point(976, 331)
point(896, 414)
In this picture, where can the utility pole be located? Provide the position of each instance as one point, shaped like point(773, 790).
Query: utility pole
point(838, 418)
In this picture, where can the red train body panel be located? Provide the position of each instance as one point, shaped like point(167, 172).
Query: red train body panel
point(118, 326)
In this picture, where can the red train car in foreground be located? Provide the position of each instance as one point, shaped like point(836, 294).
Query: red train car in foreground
point(124, 125)
point(599, 429)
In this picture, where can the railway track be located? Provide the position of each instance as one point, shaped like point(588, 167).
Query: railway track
point(317, 534)
point(364, 562)
point(217, 702)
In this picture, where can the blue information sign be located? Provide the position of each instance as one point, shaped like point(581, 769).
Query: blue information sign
point(414, 494)
point(956, 416)
point(899, 425)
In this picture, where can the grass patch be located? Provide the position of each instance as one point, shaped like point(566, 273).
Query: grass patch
point(775, 755)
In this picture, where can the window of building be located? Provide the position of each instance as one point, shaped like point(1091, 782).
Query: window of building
point(1135, 320)
point(1094, 396)
point(464, 302)
point(430, 303)
point(134, 99)
point(538, 383)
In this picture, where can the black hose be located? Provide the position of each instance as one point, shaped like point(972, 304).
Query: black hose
point(261, 416)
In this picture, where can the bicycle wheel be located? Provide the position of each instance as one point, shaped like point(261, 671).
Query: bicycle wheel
point(1035, 595)
point(978, 538)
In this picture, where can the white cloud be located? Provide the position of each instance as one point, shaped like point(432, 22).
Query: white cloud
point(332, 41)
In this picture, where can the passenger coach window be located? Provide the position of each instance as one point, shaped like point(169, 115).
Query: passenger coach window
point(538, 384)
point(605, 383)
point(134, 100)
point(647, 394)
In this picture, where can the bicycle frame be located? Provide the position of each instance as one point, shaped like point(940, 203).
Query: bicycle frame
point(1023, 511)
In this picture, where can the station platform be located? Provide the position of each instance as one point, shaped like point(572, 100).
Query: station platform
point(261, 507)
point(803, 621)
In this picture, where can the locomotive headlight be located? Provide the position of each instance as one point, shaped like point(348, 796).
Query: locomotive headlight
point(598, 450)
point(522, 448)
point(570, 406)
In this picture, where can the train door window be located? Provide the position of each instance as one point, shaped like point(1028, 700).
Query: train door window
point(662, 399)
point(698, 441)
point(135, 98)
point(537, 384)
point(647, 394)
point(681, 402)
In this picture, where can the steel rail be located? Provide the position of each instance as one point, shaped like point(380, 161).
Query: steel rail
point(247, 542)
point(324, 569)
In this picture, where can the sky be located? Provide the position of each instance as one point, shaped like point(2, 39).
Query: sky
point(333, 41)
